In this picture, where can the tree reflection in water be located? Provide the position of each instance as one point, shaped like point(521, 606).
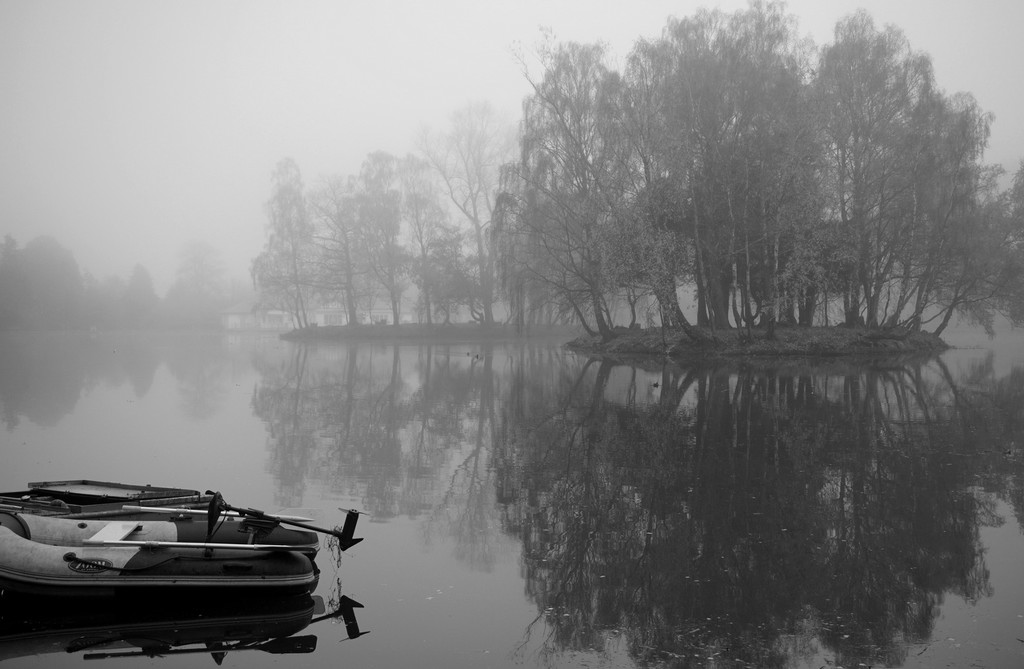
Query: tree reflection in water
point(751, 514)
point(43, 375)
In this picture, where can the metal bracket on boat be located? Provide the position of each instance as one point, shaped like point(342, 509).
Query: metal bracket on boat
point(345, 536)
point(348, 531)
point(258, 527)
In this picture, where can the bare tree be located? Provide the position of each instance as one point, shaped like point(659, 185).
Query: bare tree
point(334, 205)
point(427, 227)
point(284, 271)
point(380, 221)
point(468, 157)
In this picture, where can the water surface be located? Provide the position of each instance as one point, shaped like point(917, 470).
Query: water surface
point(531, 507)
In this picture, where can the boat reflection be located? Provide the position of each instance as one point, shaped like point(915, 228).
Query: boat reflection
point(102, 629)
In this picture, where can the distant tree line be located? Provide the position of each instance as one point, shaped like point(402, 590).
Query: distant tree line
point(43, 288)
point(779, 181)
point(362, 240)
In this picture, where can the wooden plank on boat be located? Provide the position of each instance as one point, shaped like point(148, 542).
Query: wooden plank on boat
point(198, 544)
point(232, 514)
point(108, 490)
point(113, 531)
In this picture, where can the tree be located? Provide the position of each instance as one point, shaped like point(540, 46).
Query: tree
point(285, 272)
point(426, 223)
point(870, 85)
point(340, 268)
point(195, 298)
point(654, 255)
point(13, 287)
point(380, 221)
point(103, 302)
point(468, 158)
point(47, 285)
point(450, 274)
point(200, 271)
point(736, 98)
point(981, 270)
point(563, 196)
point(956, 219)
point(140, 301)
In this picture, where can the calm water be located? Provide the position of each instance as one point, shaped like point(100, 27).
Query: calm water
point(531, 508)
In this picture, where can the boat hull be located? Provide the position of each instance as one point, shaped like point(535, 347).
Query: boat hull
point(52, 556)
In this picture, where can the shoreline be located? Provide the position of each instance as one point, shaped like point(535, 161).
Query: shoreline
point(637, 344)
point(420, 332)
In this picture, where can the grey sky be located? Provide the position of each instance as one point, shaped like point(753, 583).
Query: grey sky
point(129, 127)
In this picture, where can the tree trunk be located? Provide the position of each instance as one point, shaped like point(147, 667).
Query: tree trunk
point(806, 307)
point(603, 328)
point(668, 302)
point(426, 304)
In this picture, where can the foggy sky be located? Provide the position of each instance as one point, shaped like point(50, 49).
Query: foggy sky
point(130, 127)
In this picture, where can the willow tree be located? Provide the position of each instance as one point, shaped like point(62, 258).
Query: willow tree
point(952, 215)
point(742, 146)
point(654, 255)
point(870, 86)
point(566, 185)
point(970, 262)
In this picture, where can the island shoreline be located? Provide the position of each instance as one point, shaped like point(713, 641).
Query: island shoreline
point(787, 342)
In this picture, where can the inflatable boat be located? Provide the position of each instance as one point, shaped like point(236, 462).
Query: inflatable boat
point(46, 555)
point(195, 514)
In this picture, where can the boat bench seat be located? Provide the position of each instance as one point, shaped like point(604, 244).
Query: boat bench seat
point(114, 531)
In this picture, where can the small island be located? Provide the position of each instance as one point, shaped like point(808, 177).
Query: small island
point(823, 342)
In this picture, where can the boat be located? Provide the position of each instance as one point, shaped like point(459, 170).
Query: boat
point(70, 557)
point(192, 512)
point(111, 547)
point(34, 626)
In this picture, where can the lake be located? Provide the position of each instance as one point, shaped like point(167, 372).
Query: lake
point(530, 507)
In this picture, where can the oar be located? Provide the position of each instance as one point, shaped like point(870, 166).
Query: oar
point(344, 537)
point(171, 511)
point(127, 543)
